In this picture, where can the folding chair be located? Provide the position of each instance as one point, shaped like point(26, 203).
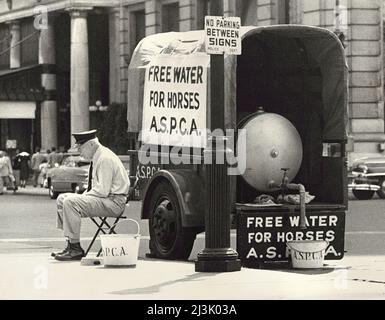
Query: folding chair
point(102, 224)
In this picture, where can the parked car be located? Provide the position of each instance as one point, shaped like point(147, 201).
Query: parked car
point(367, 177)
point(72, 172)
point(71, 175)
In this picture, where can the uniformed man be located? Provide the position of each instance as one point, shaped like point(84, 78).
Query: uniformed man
point(105, 196)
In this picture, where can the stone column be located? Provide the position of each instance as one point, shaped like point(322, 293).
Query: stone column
point(48, 80)
point(80, 119)
point(153, 10)
point(366, 92)
point(319, 13)
point(186, 14)
point(266, 12)
point(47, 44)
point(229, 8)
point(15, 57)
point(296, 11)
point(124, 53)
point(114, 26)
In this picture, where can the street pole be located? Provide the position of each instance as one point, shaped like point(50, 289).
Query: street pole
point(217, 256)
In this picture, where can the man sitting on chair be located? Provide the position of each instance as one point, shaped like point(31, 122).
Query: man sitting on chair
point(108, 185)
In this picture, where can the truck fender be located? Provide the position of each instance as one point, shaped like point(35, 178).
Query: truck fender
point(189, 189)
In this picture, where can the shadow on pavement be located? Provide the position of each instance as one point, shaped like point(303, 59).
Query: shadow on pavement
point(157, 287)
point(287, 268)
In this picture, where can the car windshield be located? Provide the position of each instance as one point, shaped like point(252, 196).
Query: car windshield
point(75, 161)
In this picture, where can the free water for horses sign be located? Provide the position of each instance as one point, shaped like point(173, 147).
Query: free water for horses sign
point(262, 236)
point(175, 101)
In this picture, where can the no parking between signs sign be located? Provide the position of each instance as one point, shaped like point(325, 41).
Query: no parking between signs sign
point(223, 35)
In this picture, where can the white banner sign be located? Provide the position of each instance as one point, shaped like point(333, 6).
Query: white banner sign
point(223, 35)
point(17, 109)
point(174, 102)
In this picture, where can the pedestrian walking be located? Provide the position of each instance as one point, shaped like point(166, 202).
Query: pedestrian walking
point(108, 185)
point(22, 163)
point(6, 172)
point(16, 167)
point(54, 158)
point(43, 168)
point(37, 159)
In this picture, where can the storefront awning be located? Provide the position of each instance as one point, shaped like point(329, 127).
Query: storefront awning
point(17, 109)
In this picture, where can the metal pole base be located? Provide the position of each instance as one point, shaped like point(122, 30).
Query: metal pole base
point(218, 260)
point(218, 266)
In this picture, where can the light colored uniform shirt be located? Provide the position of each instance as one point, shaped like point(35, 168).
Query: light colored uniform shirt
point(109, 176)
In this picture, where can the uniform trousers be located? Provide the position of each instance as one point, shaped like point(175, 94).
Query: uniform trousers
point(71, 207)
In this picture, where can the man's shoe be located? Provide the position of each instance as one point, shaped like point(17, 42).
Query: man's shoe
point(65, 250)
point(75, 252)
point(71, 255)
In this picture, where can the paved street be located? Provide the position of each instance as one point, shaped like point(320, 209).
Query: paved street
point(28, 235)
point(28, 224)
point(29, 219)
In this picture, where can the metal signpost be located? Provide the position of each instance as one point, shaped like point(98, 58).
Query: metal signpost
point(218, 256)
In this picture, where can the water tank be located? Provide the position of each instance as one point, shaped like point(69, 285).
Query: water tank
point(272, 143)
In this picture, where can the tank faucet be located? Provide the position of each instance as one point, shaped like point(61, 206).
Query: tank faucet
point(285, 185)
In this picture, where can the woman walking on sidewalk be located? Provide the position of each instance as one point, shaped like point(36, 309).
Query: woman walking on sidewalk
point(6, 172)
point(22, 162)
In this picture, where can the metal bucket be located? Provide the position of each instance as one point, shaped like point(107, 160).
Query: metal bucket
point(121, 249)
point(307, 254)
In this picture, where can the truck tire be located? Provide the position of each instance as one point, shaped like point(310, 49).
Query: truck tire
point(363, 194)
point(168, 238)
point(381, 192)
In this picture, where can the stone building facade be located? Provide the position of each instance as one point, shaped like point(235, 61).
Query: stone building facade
point(83, 54)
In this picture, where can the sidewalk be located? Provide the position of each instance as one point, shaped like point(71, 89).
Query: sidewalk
point(29, 190)
point(37, 276)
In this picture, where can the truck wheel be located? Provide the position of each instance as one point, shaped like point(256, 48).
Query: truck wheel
point(168, 238)
point(381, 192)
point(363, 194)
point(52, 194)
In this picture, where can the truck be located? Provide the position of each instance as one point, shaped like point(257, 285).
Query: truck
point(285, 109)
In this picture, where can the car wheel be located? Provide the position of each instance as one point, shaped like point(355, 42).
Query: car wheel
point(363, 194)
point(381, 192)
point(53, 194)
point(168, 238)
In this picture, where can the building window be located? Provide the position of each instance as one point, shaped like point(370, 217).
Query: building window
point(202, 10)
point(283, 11)
point(137, 27)
point(29, 43)
point(170, 17)
point(5, 40)
point(9, 4)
